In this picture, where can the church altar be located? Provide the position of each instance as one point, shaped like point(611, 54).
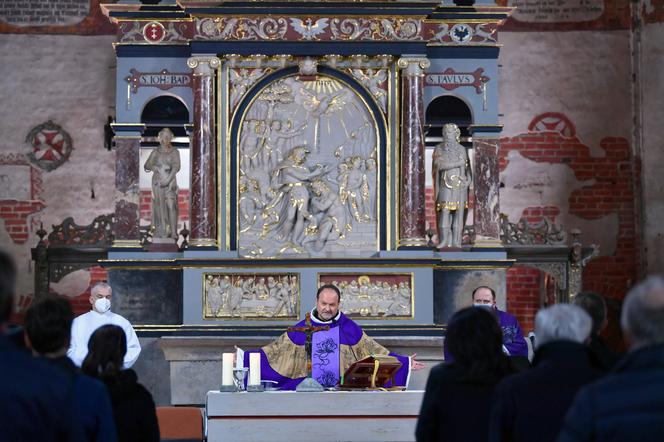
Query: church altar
point(325, 416)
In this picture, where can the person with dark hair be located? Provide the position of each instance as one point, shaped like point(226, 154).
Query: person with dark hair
point(35, 398)
point(628, 403)
point(133, 407)
point(48, 328)
point(560, 368)
point(284, 361)
point(601, 355)
point(458, 395)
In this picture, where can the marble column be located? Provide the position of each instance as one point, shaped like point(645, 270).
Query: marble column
point(203, 216)
point(127, 159)
point(412, 227)
point(486, 182)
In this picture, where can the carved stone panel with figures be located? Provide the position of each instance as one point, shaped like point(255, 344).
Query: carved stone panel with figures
point(251, 296)
point(308, 171)
point(373, 295)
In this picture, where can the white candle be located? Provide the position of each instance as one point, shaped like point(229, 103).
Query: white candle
point(255, 369)
point(227, 369)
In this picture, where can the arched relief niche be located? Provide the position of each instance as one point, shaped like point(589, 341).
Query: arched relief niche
point(308, 164)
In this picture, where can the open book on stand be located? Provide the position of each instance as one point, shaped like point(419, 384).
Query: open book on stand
point(371, 373)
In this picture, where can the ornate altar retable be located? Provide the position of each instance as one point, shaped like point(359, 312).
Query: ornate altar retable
point(304, 129)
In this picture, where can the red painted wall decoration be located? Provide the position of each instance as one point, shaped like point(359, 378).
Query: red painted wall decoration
point(20, 195)
point(615, 191)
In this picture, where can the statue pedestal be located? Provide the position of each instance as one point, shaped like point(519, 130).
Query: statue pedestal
point(167, 245)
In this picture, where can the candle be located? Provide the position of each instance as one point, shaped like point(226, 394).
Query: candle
point(255, 369)
point(227, 369)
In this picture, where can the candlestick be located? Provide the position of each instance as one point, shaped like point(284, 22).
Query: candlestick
point(227, 369)
point(254, 369)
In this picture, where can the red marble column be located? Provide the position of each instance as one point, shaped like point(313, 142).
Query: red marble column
point(125, 227)
point(412, 227)
point(486, 182)
point(203, 216)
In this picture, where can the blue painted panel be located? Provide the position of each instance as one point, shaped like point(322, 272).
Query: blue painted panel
point(132, 113)
point(468, 93)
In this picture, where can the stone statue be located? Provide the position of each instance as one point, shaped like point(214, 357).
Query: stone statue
point(451, 179)
point(289, 181)
point(164, 163)
point(332, 224)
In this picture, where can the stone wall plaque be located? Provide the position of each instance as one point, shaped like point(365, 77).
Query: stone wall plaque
point(374, 295)
point(251, 296)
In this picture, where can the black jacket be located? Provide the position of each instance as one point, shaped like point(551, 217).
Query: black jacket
point(453, 409)
point(601, 356)
point(626, 405)
point(133, 408)
point(530, 406)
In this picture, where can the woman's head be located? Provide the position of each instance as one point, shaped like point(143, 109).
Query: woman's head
point(475, 340)
point(106, 350)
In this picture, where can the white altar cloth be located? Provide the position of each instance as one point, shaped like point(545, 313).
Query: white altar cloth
point(327, 416)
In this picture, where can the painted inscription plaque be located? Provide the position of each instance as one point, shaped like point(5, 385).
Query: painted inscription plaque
point(251, 296)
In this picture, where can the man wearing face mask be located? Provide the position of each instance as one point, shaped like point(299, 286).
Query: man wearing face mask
point(87, 323)
point(514, 343)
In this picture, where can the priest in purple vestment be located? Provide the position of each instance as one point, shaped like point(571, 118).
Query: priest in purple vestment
point(514, 343)
point(332, 351)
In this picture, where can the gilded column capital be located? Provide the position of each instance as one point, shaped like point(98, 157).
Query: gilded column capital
point(413, 66)
point(203, 65)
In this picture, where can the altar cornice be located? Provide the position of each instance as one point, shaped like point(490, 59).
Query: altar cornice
point(307, 22)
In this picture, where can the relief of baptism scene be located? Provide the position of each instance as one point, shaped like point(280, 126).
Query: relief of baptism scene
point(374, 296)
point(241, 296)
point(308, 172)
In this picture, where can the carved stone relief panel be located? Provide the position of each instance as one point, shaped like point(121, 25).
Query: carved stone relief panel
point(308, 171)
point(373, 295)
point(251, 296)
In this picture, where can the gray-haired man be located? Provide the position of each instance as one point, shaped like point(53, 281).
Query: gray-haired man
point(531, 405)
point(628, 404)
point(87, 323)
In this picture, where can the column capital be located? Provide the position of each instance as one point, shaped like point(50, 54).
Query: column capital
point(413, 66)
point(203, 65)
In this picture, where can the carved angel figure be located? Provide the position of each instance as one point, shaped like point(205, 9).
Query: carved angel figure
point(372, 79)
point(241, 81)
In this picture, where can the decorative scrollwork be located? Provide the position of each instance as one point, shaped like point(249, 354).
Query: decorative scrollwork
point(242, 28)
point(99, 233)
point(525, 233)
point(373, 29)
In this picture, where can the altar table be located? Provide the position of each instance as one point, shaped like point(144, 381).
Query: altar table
point(326, 416)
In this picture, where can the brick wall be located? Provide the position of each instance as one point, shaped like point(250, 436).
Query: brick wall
point(15, 215)
point(615, 188)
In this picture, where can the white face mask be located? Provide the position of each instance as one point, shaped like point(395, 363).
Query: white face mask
point(487, 306)
point(102, 305)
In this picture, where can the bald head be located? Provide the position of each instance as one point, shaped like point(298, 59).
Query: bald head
point(642, 318)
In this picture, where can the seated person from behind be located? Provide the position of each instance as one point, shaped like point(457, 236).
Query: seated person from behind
point(333, 351)
point(48, 329)
point(134, 410)
point(458, 395)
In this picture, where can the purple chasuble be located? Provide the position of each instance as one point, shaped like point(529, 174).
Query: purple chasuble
point(325, 357)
